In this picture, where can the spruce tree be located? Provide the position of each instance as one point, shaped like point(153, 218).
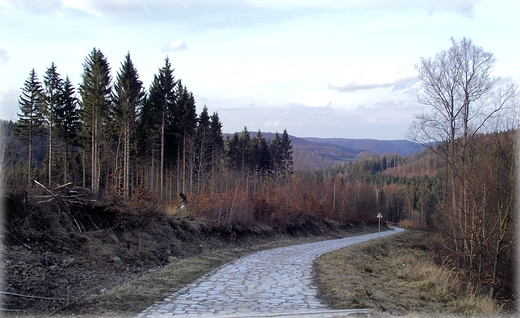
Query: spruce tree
point(150, 133)
point(148, 121)
point(183, 128)
point(95, 94)
point(275, 154)
point(53, 86)
point(202, 148)
point(260, 160)
point(185, 110)
point(216, 133)
point(239, 152)
point(286, 154)
point(166, 90)
point(203, 139)
point(30, 118)
point(127, 97)
point(203, 121)
point(217, 146)
point(233, 155)
point(68, 122)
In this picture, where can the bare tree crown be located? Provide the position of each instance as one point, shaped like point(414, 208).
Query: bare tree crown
point(458, 86)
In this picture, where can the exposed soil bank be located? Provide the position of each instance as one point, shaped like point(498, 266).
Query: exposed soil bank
point(99, 260)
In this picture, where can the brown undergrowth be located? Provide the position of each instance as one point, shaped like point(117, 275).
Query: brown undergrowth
point(398, 275)
point(111, 258)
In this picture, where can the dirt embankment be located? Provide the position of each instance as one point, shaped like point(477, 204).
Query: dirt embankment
point(62, 257)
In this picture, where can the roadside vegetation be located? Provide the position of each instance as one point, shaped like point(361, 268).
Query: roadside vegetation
point(123, 260)
point(400, 275)
point(92, 181)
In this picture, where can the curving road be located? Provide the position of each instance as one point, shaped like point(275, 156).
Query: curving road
point(269, 283)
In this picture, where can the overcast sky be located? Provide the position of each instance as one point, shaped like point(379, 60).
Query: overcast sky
point(319, 68)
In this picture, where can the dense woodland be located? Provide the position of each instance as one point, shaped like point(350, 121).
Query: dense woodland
point(131, 145)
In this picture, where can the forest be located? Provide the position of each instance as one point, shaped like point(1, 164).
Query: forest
point(131, 146)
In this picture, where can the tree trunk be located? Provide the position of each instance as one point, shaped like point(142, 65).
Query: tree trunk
point(29, 160)
point(65, 161)
point(49, 171)
point(161, 173)
point(94, 158)
point(126, 163)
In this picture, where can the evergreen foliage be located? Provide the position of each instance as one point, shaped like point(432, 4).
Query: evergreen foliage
point(68, 122)
point(149, 123)
point(256, 155)
point(53, 100)
point(30, 118)
point(166, 108)
point(127, 98)
point(95, 94)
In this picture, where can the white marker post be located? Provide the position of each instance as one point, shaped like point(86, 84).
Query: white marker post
point(379, 216)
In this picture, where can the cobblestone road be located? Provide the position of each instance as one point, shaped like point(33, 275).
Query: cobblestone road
point(269, 283)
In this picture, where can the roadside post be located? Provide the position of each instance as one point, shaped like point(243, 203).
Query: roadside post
point(379, 216)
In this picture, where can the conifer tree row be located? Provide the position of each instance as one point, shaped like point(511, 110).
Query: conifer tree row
point(256, 155)
point(118, 137)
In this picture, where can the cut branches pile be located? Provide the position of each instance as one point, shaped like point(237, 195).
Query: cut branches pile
point(78, 202)
point(66, 194)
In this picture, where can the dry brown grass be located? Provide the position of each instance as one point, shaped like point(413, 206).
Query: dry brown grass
point(133, 296)
point(397, 275)
point(412, 224)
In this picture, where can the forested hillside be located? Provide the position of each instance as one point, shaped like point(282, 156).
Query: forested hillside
point(116, 138)
point(400, 147)
point(134, 150)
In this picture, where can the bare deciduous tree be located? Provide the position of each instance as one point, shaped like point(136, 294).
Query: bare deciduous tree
point(466, 101)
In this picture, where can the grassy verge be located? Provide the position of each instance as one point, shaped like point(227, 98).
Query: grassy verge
point(397, 276)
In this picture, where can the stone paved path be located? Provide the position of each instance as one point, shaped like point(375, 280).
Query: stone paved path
point(274, 282)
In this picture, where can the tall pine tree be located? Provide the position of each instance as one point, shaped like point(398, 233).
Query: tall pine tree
point(95, 94)
point(30, 118)
point(203, 140)
point(68, 122)
point(217, 147)
point(149, 129)
point(185, 122)
point(216, 135)
point(166, 112)
point(53, 86)
point(286, 154)
point(127, 97)
point(261, 159)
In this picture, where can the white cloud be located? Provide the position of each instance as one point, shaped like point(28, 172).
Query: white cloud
point(398, 84)
point(104, 8)
point(374, 77)
point(272, 123)
point(29, 5)
point(6, 4)
point(175, 45)
point(462, 7)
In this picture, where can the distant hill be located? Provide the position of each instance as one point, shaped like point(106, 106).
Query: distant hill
point(313, 153)
point(400, 147)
